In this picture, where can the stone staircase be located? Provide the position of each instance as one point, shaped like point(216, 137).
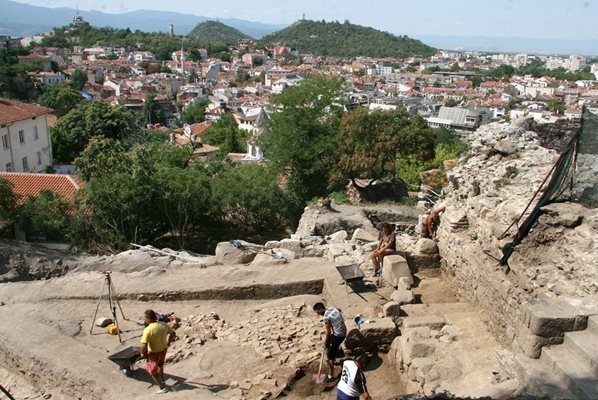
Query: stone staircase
point(568, 370)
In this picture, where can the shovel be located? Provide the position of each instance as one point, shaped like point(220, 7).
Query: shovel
point(319, 377)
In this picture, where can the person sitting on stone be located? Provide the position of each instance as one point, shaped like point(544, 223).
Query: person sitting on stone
point(430, 224)
point(387, 244)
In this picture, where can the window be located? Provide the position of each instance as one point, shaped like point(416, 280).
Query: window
point(5, 142)
point(21, 136)
point(39, 158)
point(25, 164)
point(35, 133)
point(8, 167)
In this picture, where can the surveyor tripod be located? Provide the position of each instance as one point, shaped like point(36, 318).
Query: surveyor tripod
point(112, 302)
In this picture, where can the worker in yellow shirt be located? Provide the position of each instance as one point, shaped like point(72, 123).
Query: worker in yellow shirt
point(154, 343)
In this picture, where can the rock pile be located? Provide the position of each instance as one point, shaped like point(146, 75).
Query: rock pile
point(282, 336)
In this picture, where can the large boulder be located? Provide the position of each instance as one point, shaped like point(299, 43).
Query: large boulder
point(361, 235)
point(426, 246)
point(227, 253)
point(338, 237)
point(402, 296)
point(394, 268)
point(265, 259)
point(378, 332)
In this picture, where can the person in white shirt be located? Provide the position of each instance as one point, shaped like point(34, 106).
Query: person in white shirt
point(336, 331)
point(352, 383)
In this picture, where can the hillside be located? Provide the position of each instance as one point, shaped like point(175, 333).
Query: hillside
point(346, 40)
point(215, 31)
point(18, 19)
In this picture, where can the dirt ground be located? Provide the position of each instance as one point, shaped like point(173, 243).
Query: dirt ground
point(47, 351)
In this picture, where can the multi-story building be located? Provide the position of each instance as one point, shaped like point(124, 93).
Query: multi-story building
point(25, 137)
point(575, 63)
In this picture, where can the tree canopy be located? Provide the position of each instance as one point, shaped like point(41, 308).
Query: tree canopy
point(303, 134)
point(72, 133)
point(371, 141)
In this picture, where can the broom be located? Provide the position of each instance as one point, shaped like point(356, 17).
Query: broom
point(319, 377)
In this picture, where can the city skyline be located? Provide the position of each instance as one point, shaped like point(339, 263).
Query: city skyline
point(534, 19)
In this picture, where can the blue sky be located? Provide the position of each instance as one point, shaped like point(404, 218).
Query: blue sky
point(541, 19)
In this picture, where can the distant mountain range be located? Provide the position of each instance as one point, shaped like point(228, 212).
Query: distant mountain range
point(513, 44)
point(215, 31)
point(346, 40)
point(18, 20)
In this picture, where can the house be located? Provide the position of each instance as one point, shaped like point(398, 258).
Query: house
point(281, 84)
point(27, 184)
point(43, 62)
point(460, 118)
point(48, 78)
point(574, 113)
point(25, 136)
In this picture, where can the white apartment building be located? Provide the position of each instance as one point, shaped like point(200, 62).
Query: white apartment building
point(25, 144)
point(575, 63)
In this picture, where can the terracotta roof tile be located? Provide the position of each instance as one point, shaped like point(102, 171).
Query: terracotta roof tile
point(25, 184)
point(12, 111)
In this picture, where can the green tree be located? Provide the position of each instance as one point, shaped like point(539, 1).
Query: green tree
point(8, 200)
point(47, 213)
point(78, 79)
point(101, 157)
point(303, 134)
point(504, 72)
point(195, 113)
point(183, 199)
point(249, 196)
point(61, 99)
point(226, 134)
point(373, 140)
point(152, 112)
point(72, 132)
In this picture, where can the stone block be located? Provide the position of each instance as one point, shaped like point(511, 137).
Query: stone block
point(272, 244)
point(420, 367)
point(549, 319)
point(432, 321)
point(314, 251)
point(418, 349)
point(361, 235)
point(262, 260)
point(379, 331)
point(227, 253)
point(402, 296)
point(531, 345)
point(395, 267)
point(426, 246)
point(418, 262)
point(290, 244)
point(338, 249)
point(404, 283)
point(391, 309)
point(338, 237)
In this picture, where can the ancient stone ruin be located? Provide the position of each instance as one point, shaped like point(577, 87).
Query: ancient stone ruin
point(445, 318)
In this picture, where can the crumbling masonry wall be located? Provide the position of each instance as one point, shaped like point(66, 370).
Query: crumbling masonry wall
point(487, 192)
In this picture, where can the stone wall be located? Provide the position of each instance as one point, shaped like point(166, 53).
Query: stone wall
point(488, 190)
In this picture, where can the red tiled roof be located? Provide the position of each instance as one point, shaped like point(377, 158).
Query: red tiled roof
point(12, 111)
point(25, 184)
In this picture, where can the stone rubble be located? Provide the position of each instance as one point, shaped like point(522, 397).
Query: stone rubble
point(281, 335)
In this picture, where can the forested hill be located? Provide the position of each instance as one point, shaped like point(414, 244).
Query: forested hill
point(214, 31)
point(346, 40)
